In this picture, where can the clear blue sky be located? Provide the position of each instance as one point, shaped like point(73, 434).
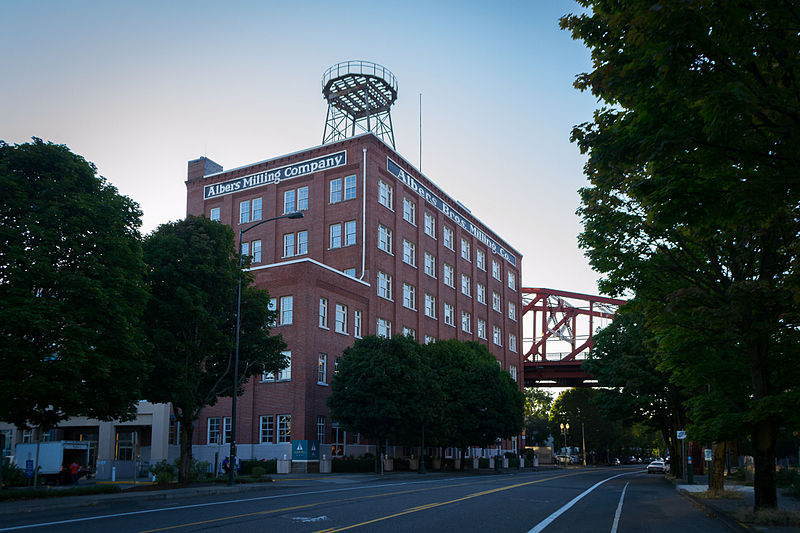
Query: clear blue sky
point(139, 88)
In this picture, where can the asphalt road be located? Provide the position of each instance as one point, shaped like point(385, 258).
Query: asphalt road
point(615, 500)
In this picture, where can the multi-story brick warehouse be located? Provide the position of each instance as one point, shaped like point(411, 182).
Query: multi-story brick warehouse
point(381, 250)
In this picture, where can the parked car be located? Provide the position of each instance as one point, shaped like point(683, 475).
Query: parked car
point(657, 467)
point(614, 462)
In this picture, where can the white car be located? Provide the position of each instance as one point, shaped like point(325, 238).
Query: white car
point(656, 467)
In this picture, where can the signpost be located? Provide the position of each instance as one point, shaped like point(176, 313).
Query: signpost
point(682, 437)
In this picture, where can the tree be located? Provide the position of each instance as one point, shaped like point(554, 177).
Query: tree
point(72, 290)
point(537, 424)
point(576, 408)
point(191, 321)
point(694, 202)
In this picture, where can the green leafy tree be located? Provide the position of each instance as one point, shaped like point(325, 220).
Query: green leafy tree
point(694, 204)
point(191, 321)
point(537, 411)
point(72, 290)
point(576, 407)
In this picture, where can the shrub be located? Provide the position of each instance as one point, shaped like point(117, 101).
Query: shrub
point(13, 476)
point(529, 455)
point(402, 464)
point(164, 472)
point(483, 462)
point(351, 465)
point(32, 493)
point(258, 471)
point(270, 466)
point(513, 462)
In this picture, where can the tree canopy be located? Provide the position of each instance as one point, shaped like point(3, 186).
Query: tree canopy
point(694, 204)
point(72, 290)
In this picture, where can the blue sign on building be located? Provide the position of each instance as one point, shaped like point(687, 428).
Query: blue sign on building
point(305, 450)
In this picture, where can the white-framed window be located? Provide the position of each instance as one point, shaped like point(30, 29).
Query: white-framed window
point(482, 328)
point(322, 369)
point(447, 234)
point(385, 194)
point(430, 264)
point(321, 429)
point(480, 259)
point(288, 244)
point(284, 428)
point(384, 328)
point(430, 305)
point(512, 311)
point(267, 425)
point(257, 251)
point(409, 332)
point(350, 233)
point(256, 204)
point(302, 242)
point(27, 436)
point(357, 324)
point(466, 322)
point(214, 435)
point(409, 252)
point(449, 275)
point(323, 313)
point(512, 342)
point(512, 281)
point(384, 285)
point(449, 315)
point(245, 249)
point(465, 249)
point(496, 269)
point(409, 211)
point(429, 339)
point(409, 296)
point(430, 225)
point(350, 272)
point(244, 212)
point(496, 301)
point(287, 307)
point(480, 289)
point(302, 199)
point(226, 435)
point(285, 374)
point(295, 200)
point(497, 335)
point(350, 187)
point(466, 285)
point(273, 306)
point(341, 318)
point(335, 235)
point(336, 190)
point(214, 214)
point(384, 238)
point(512, 370)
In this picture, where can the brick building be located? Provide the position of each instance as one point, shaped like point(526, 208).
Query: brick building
point(381, 250)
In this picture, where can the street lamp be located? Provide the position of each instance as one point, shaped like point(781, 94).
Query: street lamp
point(565, 432)
point(242, 231)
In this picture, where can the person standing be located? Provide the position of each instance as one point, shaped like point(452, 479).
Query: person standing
point(74, 469)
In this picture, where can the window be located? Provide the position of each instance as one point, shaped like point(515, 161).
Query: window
point(244, 212)
point(336, 235)
point(336, 190)
point(302, 199)
point(384, 239)
point(245, 249)
point(409, 252)
point(214, 213)
point(512, 281)
point(449, 315)
point(482, 328)
point(226, 436)
point(27, 436)
point(213, 431)
point(512, 311)
point(429, 339)
point(513, 371)
point(496, 269)
point(449, 275)
point(466, 322)
point(285, 374)
point(409, 296)
point(357, 324)
point(321, 429)
point(257, 251)
point(350, 187)
point(302, 242)
point(288, 245)
point(289, 202)
point(341, 318)
point(384, 285)
point(256, 209)
point(430, 305)
point(267, 428)
point(287, 305)
point(430, 264)
point(448, 237)
point(480, 259)
point(350, 272)
point(496, 301)
point(284, 428)
point(512, 342)
point(273, 306)
point(322, 369)
point(430, 225)
point(385, 194)
point(480, 288)
point(323, 313)
point(465, 250)
point(384, 328)
point(409, 211)
point(497, 335)
point(350, 233)
point(466, 285)
point(409, 332)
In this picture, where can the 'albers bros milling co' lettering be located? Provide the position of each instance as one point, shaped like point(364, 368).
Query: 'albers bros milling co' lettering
point(275, 175)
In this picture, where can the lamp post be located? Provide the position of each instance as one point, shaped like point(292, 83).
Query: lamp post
point(242, 231)
point(565, 432)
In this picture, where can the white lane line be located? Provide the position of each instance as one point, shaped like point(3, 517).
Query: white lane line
point(547, 521)
point(619, 509)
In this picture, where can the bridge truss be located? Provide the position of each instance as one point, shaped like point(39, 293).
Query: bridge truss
point(558, 328)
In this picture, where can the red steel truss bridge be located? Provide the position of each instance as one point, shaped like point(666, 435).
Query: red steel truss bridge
point(557, 328)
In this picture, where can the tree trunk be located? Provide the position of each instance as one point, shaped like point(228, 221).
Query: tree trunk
point(185, 464)
point(716, 477)
point(764, 437)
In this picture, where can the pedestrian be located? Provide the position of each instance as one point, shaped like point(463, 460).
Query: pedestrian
point(74, 469)
point(226, 466)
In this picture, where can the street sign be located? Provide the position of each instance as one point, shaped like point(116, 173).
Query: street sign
point(29, 468)
point(707, 452)
point(681, 435)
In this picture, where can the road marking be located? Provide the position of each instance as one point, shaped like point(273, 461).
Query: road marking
point(547, 521)
point(619, 509)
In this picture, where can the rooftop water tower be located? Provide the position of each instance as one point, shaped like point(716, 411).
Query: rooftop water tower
point(360, 95)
